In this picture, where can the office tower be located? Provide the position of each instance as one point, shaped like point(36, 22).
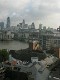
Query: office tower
point(44, 28)
point(33, 26)
point(1, 25)
point(23, 23)
point(8, 22)
point(40, 26)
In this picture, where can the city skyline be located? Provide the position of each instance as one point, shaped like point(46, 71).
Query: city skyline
point(40, 11)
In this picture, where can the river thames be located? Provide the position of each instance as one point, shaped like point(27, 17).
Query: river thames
point(13, 45)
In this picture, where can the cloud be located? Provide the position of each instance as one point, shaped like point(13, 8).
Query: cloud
point(46, 12)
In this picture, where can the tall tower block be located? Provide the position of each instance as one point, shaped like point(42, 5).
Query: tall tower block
point(8, 22)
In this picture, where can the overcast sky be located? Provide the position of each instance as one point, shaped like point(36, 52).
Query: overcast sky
point(46, 12)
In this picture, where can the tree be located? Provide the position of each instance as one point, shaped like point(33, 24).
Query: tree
point(4, 54)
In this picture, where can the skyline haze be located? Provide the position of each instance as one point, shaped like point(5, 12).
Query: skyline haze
point(46, 12)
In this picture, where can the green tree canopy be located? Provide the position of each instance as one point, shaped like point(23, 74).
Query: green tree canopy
point(4, 54)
